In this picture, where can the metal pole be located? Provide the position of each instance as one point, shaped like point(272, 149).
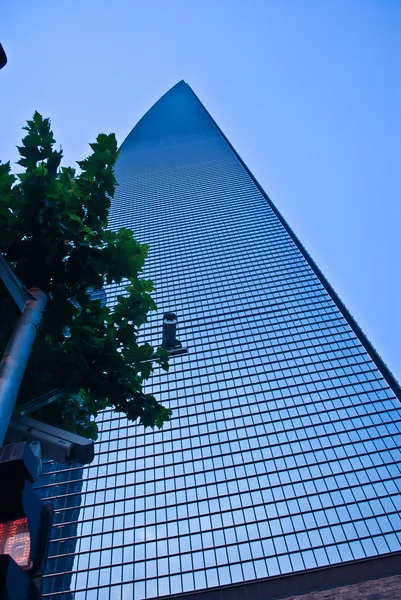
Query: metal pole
point(16, 355)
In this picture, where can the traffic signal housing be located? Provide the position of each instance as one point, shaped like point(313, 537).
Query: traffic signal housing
point(25, 525)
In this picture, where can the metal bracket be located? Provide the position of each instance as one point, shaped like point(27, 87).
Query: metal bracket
point(18, 291)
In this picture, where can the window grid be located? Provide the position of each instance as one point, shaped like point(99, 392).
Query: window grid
point(283, 452)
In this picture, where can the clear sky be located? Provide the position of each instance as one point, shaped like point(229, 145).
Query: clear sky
point(308, 91)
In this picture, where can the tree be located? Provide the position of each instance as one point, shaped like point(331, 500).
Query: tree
point(53, 231)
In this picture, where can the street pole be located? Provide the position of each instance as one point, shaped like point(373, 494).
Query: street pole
point(16, 355)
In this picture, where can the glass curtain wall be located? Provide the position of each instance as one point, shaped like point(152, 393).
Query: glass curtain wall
point(283, 453)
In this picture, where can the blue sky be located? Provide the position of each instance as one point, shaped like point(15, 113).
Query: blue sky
point(309, 93)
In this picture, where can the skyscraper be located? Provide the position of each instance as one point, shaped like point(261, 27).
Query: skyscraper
point(63, 486)
point(280, 471)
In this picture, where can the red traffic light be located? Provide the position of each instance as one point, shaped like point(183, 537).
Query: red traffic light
point(25, 525)
point(15, 541)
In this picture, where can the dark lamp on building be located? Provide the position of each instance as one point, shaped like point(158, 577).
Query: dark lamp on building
point(170, 342)
point(169, 328)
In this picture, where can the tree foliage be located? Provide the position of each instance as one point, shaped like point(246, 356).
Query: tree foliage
point(53, 231)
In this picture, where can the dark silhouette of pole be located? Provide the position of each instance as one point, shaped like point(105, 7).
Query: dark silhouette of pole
point(12, 367)
point(3, 57)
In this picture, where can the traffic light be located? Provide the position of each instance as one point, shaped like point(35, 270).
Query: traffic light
point(25, 525)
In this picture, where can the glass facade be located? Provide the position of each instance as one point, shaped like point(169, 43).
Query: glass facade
point(283, 453)
point(63, 486)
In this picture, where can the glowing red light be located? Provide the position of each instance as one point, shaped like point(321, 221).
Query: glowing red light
point(15, 541)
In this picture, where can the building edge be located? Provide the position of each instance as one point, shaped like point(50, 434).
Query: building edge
point(138, 123)
point(388, 376)
point(335, 577)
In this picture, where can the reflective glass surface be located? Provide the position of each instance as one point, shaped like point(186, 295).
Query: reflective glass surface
point(283, 453)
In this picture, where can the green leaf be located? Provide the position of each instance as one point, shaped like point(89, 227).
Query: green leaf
point(54, 232)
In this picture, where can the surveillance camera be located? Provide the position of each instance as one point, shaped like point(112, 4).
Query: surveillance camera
point(55, 443)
